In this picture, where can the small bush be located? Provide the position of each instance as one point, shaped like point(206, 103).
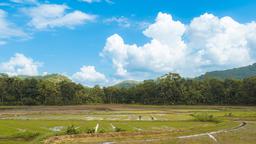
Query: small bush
point(102, 130)
point(118, 129)
point(204, 117)
point(71, 130)
point(90, 131)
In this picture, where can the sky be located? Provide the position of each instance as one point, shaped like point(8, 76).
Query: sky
point(107, 41)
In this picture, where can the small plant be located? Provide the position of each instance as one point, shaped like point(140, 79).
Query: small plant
point(118, 129)
point(204, 117)
point(102, 130)
point(71, 130)
point(90, 131)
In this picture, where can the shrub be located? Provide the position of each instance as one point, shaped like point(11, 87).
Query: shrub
point(118, 129)
point(90, 131)
point(204, 117)
point(102, 130)
point(71, 130)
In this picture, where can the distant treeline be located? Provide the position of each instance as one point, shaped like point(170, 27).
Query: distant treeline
point(169, 89)
point(48, 90)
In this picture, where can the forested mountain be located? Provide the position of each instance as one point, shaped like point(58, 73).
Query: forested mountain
point(126, 84)
point(235, 73)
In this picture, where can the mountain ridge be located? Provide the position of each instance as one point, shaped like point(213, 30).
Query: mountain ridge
point(126, 84)
point(234, 73)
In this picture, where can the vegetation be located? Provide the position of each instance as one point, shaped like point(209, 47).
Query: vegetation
point(170, 89)
point(205, 117)
point(236, 73)
point(26, 135)
point(120, 124)
point(118, 129)
point(90, 131)
point(47, 90)
point(71, 130)
point(126, 84)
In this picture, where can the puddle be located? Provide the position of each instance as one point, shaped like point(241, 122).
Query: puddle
point(108, 143)
point(56, 129)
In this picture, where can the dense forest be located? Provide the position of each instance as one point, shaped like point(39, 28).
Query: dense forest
point(47, 90)
point(169, 89)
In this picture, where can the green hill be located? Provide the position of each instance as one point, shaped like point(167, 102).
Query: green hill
point(126, 84)
point(235, 73)
point(51, 77)
point(56, 78)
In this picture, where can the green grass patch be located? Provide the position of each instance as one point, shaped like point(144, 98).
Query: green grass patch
point(205, 117)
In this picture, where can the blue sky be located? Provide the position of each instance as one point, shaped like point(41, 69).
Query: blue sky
point(105, 41)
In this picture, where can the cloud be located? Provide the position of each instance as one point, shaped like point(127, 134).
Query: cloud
point(90, 1)
point(206, 43)
point(220, 41)
point(52, 15)
point(121, 21)
point(20, 65)
point(165, 52)
point(89, 76)
point(25, 1)
point(8, 30)
point(93, 1)
point(125, 22)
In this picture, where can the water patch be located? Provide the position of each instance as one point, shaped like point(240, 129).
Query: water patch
point(138, 129)
point(56, 129)
point(108, 143)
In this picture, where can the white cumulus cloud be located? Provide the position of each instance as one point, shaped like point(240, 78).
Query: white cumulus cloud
point(9, 30)
point(20, 65)
point(206, 43)
point(89, 76)
point(165, 52)
point(220, 41)
point(53, 15)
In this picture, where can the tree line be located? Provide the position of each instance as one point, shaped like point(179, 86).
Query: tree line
point(169, 89)
point(34, 91)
